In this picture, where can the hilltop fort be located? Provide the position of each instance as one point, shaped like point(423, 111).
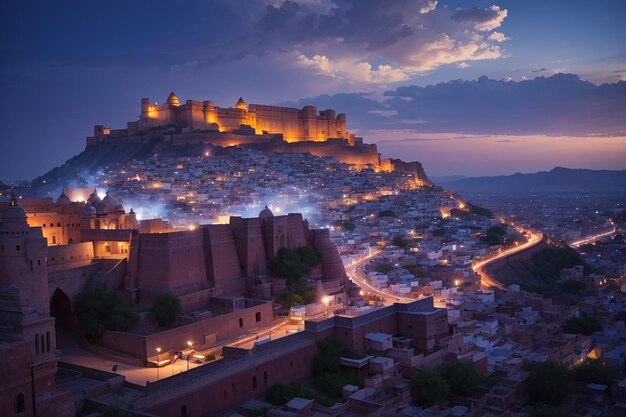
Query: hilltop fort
point(268, 128)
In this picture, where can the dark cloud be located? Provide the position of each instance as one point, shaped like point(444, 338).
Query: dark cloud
point(560, 104)
point(483, 19)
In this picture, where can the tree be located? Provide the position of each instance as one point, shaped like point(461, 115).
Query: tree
point(585, 325)
point(384, 268)
point(98, 310)
point(166, 309)
point(593, 371)
point(327, 359)
point(494, 235)
point(462, 378)
point(280, 393)
point(386, 213)
point(400, 242)
point(428, 387)
point(549, 383)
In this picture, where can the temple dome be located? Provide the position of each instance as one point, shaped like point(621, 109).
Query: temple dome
point(172, 100)
point(93, 197)
point(241, 105)
point(109, 204)
point(89, 210)
point(265, 213)
point(13, 212)
point(64, 200)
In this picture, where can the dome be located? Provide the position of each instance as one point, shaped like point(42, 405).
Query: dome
point(110, 204)
point(93, 197)
point(63, 200)
point(172, 100)
point(13, 211)
point(241, 104)
point(265, 213)
point(89, 210)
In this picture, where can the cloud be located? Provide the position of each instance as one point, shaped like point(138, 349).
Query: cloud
point(353, 70)
point(535, 70)
point(562, 104)
point(428, 6)
point(482, 19)
point(498, 37)
point(462, 65)
point(394, 40)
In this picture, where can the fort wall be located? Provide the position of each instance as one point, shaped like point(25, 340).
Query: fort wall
point(221, 261)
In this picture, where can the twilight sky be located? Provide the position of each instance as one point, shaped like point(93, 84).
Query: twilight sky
point(466, 87)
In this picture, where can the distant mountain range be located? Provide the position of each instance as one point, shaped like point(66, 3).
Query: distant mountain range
point(557, 180)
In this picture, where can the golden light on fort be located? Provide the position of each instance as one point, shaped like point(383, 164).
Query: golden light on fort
point(192, 227)
point(457, 282)
point(444, 214)
point(461, 205)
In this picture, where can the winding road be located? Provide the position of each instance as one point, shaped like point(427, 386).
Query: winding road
point(356, 277)
point(479, 267)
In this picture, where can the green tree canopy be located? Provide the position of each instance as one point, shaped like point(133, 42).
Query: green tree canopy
point(549, 383)
point(384, 268)
point(593, 371)
point(400, 242)
point(386, 213)
point(428, 387)
point(585, 325)
point(166, 309)
point(98, 310)
point(462, 377)
point(279, 394)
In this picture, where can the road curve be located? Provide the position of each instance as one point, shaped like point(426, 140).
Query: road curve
point(479, 267)
point(352, 272)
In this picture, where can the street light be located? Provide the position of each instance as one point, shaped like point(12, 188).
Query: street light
point(158, 361)
point(326, 301)
point(190, 344)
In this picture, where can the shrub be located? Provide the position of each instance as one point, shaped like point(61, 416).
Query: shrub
point(585, 325)
point(428, 387)
point(549, 383)
point(166, 309)
point(99, 310)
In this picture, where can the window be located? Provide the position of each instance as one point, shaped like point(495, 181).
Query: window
point(240, 322)
point(36, 344)
point(291, 364)
point(20, 403)
point(54, 240)
point(48, 341)
point(254, 382)
point(258, 316)
point(265, 378)
point(183, 411)
point(17, 247)
point(58, 224)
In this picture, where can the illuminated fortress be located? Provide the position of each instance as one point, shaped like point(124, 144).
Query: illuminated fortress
point(271, 129)
point(295, 125)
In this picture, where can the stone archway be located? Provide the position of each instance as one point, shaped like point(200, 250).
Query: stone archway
point(61, 310)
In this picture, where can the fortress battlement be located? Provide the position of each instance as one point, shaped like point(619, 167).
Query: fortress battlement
point(293, 124)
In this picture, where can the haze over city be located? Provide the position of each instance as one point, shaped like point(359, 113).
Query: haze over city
point(313, 208)
point(87, 62)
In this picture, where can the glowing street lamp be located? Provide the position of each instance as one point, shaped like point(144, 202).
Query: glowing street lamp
point(326, 301)
point(158, 361)
point(190, 344)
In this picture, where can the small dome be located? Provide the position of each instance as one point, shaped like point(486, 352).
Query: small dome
point(241, 104)
point(93, 197)
point(64, 200)
point(172, 100)
point(265, 213)
point(110, 204)
point(89, 210)
point(13, 211)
